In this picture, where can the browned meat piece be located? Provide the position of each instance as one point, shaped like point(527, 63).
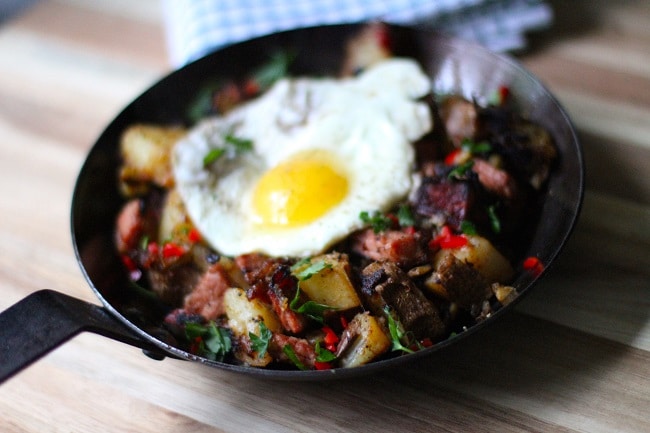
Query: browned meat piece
point(384, 284)
point(206, 298)
point(528, 148)
point(462, 283)
point(495, 180)
point(282, 290)
point(302, 348)
point(176, 320)
point(257, 269)
point(404, 247)
point(448, 202)
point(226, 98)
point(542, 148)
point(171, 282)
point(459, 117)
point(137, 219)
point(130, 226)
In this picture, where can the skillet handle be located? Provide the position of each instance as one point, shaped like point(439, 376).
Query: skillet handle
point(46, 319)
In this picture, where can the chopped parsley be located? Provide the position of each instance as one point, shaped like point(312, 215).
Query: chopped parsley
point(461, 170)
point(211, 341)
point(474, 147)
point(291, 354)
point(260, 343)
point(311, 269)
point(311, 309)
point(212, 156)
point(276, 68)
point(376, 220)
point(405, 216)
point(468, 228)
point(495, 222)
point(238, 144)
point(396, 332)
point(322, 354)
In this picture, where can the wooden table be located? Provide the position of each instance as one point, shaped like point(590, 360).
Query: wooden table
point(574, 356)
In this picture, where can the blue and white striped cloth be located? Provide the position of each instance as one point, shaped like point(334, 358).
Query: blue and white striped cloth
point(196, 27)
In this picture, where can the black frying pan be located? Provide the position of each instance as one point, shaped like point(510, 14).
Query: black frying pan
point(46, 319)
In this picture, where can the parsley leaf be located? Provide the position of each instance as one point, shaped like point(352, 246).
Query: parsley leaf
point(276, 68)
point(467, 227)
point(239, 144)
point(322, 354)
point(260, 344)
point(495, 222)
point(311, 309)
point(396, 332)
point(474, 147)
point(405, 216)
point(461, 170)
point(377, 221)
point(212, 156)
point(311, 270)
point(213, 341)
point(291, 354)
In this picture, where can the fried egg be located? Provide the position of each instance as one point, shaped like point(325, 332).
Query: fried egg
point(288, 173)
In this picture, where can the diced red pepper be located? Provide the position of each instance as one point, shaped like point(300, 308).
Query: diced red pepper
point(251, 87)
point(195, 345)
point(450, 159)
point(533, 265)
point(410, 230)
point(129, 263)
point(447, 240)
point(171, 250)
point(344, 322)
point(194, 236)
point(152, 248)
point(322, 365)
point(330, 339)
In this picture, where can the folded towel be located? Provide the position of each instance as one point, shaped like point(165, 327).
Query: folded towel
point(197, 27)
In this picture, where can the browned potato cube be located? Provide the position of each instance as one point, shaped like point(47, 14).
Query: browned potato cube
point(363, 340)
point(330, 286)
point(173, 218)
point(146, 155)
point(486, 259)
point(245, 315)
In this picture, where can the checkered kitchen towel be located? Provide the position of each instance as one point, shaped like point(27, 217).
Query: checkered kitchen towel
point(196, 27)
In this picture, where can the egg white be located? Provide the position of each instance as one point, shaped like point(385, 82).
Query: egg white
point(366, 126)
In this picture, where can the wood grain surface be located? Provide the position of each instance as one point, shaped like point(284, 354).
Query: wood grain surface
point(573, 357)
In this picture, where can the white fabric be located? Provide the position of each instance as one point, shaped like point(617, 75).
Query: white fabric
point(196, 27)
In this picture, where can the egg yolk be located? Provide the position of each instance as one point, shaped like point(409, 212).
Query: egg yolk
point(298, 191)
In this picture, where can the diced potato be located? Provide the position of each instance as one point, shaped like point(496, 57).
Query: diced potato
point(432, 282)
point(486, 259)
point(173, 217)
point(367, 341)
point(245, 315)
point(504, 294)
point(146, 152)
point(331, 286)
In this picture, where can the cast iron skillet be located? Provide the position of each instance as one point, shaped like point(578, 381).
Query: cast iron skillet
point(46, 319)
